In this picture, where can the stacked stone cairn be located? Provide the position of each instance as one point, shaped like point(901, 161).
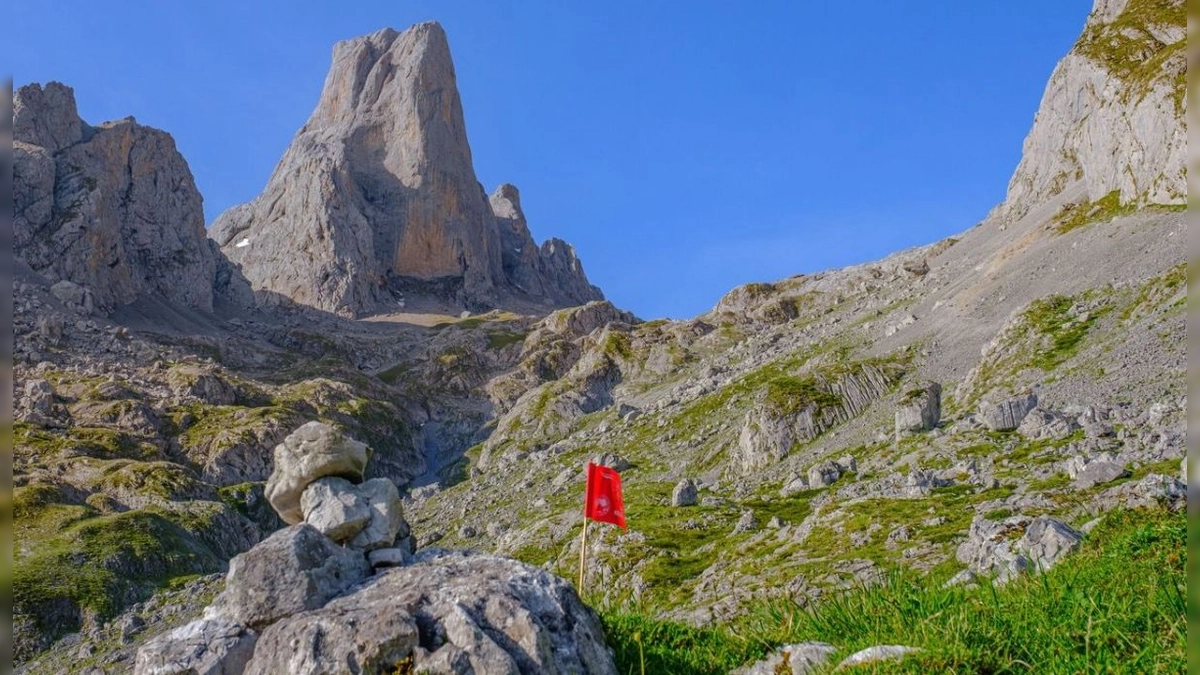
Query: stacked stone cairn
point(318, 480)
point(340, 527)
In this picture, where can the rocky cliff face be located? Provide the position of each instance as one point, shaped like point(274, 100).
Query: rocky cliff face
point(1111, 118)
point(376, 200)
point(111, 208)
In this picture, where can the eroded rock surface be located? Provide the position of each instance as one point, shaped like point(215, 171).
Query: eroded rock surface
point(378, 193)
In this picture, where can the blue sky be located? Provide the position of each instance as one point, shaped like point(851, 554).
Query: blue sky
point(683, 149)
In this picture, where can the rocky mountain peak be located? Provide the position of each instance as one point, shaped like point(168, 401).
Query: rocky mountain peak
point(378, 194)
point(111, 212)
point(46, 116)
point(1111, 121)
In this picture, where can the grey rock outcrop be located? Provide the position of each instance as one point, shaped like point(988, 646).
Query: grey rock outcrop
point(684, 493)
point(1008, 414)
point(335, 508)
point(920, 409)
point(386, 521)
point(448, 612)
point(294, 570)
point(993, 548)
point(313, 451)
point(771, 428)
point(1111, 116)
point(111, 209)
point(378, 194)
point(215, 646)
point(1041, 424)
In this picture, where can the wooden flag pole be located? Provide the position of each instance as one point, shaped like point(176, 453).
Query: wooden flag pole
point(582, 555)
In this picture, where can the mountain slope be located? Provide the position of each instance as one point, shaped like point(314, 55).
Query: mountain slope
point(780, 402)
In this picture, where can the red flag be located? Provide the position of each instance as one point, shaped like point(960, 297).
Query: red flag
point(602, 498)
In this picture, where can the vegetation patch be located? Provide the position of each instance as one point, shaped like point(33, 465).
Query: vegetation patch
point(1119, 605)
point(89, 569)
point(1051, 318)
point(1129, 49)
point(499, 339)
point(791, 395)
point(1074, 216)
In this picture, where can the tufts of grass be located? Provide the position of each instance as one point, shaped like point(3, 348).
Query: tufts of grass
point(1119, 605)
point(1049, 317)
point(643, 644)
point(499, 339)
point(1074, 216)
point(790, 395)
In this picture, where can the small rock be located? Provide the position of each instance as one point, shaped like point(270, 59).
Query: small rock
point(684, 493)
point(388, 557)
point(335, 508)
point(920, 410)
point(847, 464)
point(801, 659)
point(1047, 540)
point(747, 523)
point(825, 473)
point(1098, 472)
point(1008, 414)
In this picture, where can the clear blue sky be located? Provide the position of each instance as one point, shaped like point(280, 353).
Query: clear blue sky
point(683, 148)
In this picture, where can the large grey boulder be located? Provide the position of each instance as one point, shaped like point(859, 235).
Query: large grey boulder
point(449, 613)
point(207, 646)
point(1003, 549)
point(920, 409)
point(684, 493)
point(1047, 540)
point(112, 209)
point(378, 195)
point(313, 451)
point(1008, 414)
point(386, 523)
point(335, 508)
point(1042, 424)
point(294, 570)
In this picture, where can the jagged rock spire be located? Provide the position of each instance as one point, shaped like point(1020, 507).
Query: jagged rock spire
point(377, 200)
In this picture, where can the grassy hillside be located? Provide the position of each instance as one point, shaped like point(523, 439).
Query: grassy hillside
point(1118, 606)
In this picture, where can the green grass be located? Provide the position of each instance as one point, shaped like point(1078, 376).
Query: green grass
point(1074, 216)
point(1131, 52)
point(1049, 317)
point(669, 647)
point(790, 395)
point(92, 566)
point(1116, 606)
point(499, 339)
